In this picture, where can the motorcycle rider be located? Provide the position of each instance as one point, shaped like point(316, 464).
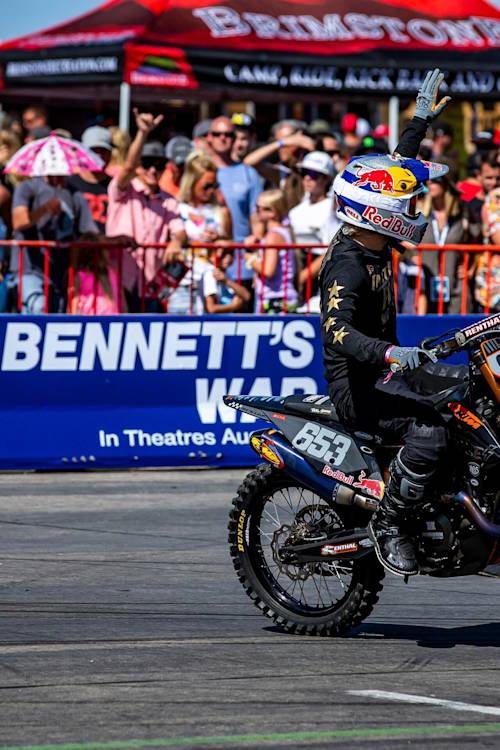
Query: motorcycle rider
point(376, 197)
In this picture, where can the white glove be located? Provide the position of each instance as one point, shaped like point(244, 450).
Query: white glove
point(428, 108)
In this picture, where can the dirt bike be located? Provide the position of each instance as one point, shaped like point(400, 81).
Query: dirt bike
point(297, 529)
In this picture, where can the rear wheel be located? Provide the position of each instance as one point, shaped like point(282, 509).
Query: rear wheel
point(319, 598)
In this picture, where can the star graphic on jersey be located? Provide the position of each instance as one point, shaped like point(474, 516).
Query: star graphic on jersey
point(333, 303)
point(329, 323)
point(339, 336)
point(335, 289)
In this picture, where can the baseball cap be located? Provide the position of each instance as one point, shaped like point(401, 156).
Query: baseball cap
point(202, 128)
point(318, 161)
point(43, 131)
point(349, 122)
point(483, 139)
point(243, 120)
point(363, 127)
point(178, 149)
point(381, 131)
point(319, 127)
point(97, 137)
point(154, 149)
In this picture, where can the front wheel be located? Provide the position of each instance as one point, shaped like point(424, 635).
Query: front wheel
point(319, 598)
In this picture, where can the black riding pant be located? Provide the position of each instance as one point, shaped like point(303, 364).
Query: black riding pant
point(400, 420)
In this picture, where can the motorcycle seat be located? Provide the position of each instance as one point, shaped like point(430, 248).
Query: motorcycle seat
point(315, 406)
point(320, 408)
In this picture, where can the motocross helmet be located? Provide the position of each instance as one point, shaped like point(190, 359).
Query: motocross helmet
point(379, 192)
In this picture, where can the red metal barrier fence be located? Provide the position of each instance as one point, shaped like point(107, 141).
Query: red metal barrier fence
point(465, 258)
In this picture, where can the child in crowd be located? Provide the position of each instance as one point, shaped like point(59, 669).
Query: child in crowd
point(204, 221)
point(96, 286)
point(274, 267)
point(221, 294)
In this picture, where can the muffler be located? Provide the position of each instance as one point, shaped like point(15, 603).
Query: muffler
point(346, 496)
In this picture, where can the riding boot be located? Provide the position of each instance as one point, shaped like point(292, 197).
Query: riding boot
point(389, 525)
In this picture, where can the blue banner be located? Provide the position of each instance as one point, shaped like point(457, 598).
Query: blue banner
point(131, 391)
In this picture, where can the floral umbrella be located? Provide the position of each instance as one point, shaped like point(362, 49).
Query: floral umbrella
point(53, 156)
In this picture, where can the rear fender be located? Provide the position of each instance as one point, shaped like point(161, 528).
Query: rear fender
point(275, 448)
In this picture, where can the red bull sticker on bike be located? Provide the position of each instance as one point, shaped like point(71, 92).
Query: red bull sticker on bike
point(373, 487)
point(394, 181)
point(338, 475)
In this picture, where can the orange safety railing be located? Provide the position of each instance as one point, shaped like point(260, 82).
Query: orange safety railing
point(464, 256)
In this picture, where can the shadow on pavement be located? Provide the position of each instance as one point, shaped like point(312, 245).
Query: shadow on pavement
point(486, 634)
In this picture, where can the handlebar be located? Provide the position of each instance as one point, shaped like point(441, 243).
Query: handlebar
point(442, 350)
point(457, 340)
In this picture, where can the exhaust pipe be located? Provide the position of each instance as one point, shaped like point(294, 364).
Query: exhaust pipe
point(346, 496)
point(477, 515)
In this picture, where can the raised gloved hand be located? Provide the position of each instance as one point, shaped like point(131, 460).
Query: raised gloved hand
point(428, 107)
point(406, 357)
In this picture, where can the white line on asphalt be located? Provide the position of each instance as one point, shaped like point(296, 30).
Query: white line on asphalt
point(407, 698)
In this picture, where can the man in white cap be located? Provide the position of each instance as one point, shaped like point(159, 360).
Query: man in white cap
point(313, 220)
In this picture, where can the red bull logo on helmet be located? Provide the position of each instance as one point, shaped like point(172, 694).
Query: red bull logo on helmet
point(390, 224)
point(393, 181)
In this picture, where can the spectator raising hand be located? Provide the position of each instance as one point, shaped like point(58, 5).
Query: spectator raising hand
point(140, 209)
point(145, 123)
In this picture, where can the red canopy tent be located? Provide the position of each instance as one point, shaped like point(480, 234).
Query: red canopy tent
point(234, 49)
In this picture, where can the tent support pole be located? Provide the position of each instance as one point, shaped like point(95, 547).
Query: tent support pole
point(393, 122)
point(125, 106)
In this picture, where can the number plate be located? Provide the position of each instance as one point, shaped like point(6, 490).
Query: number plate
point(322, 443)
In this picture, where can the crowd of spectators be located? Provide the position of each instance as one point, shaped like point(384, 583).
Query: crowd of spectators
point(196, 195)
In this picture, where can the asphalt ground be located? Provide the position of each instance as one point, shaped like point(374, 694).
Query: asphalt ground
point(123, 626)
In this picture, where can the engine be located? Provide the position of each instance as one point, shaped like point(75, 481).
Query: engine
point(449, 544)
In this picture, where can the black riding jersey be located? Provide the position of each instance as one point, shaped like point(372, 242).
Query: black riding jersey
point(358, 310)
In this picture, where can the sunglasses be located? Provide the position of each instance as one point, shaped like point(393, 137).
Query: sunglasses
point(311, 173)
point(263, 208)
point(210, 186)
point(222, 134)
point(158, 164)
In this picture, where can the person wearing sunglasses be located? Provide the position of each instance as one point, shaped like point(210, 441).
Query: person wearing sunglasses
point(240, 185)
point(204, 221)
point(313, 220)
point(139, 209)
point(244, 139)
point(277, 160)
